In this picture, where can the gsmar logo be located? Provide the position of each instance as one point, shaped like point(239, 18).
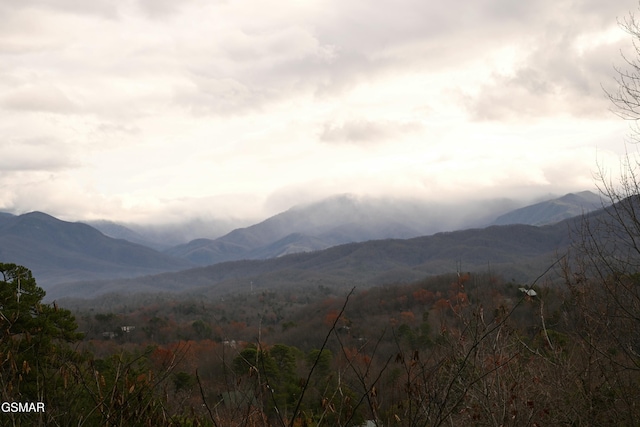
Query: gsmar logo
point(22, 407)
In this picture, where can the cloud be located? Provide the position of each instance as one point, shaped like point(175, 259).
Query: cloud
point(115, 129)
point(161, 8)
point(365, 132)
point(239, 70)
point(101, 8)
point(40, 98)
point(223, 58)
point(224, 96)
point(35, 155)
point(57, 194)
point(150, 104)
point(562, 72)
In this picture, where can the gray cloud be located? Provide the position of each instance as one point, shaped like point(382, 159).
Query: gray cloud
point(160, 8)
point(102, 8)
point(221, 69)
point(258, 84)
point(220, 96)
point(328, 51)
point(114, 129)
point(556, 77)
point(167, 10)
point(43, 98)
point(41, 154)
point(243, 70)
point(365, 132)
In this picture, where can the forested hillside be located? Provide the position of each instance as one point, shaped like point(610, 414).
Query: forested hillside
point(462, 349)
point(62, 251)
point(518, 251)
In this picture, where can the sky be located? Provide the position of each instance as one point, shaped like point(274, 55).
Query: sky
point(159, 110)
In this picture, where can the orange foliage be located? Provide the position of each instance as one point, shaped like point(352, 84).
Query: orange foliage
point(331, 317)
point(237, 327)
point(459, 301)
point(423, 296)
point(184, 354)
point(462, 298)
point(407, 317)
point(442, 304)
point(162, 357)
point(356, 357)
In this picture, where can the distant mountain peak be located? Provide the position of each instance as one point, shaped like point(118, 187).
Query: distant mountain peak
point(39, 215)
point(554, 210)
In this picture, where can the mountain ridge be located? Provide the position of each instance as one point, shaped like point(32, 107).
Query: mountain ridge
point(329, 222)
point(361, 264)
point(553, 210)
point(60, 252)
point(57, 250)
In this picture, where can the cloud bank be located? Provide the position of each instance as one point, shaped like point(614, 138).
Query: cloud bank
point(130, 110)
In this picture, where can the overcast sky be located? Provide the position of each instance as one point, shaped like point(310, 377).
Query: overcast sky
point(159, 109)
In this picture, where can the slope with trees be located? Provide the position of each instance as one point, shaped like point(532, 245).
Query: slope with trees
point(518, 251)
point(61, 251)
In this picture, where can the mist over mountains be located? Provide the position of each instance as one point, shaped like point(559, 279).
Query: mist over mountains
point(334, 221)
point(338, 240)
point(164, 236)
point(372, 215)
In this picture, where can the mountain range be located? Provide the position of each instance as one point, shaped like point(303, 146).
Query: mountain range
point(164, 236)
point(518, 252)
point(330, 222)
point(59, 251)
point(312, 243)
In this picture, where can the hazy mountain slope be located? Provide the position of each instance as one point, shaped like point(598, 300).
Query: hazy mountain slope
point(291, 244)
point(119, 231)
point(334, 221)
point(521, 252)
point(5, 217)
point(59, 251)
point(553, 211)
point(164, 236)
